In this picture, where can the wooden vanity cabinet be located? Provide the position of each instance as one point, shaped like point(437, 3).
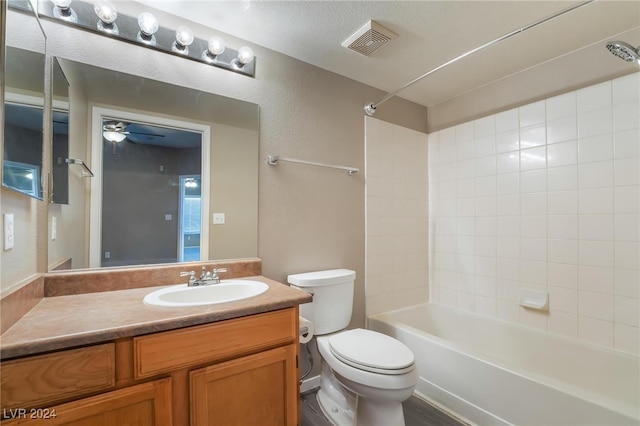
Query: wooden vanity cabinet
point(146, 404)
point(259, 389)
point(241, 371)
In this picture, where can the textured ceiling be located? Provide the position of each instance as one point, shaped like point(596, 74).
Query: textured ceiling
point(430, 34)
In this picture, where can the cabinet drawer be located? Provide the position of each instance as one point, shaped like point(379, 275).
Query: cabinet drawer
point(146, 404)
point(42, 379)
point(162, 352)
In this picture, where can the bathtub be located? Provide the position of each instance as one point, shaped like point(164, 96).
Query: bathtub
point(487, 371)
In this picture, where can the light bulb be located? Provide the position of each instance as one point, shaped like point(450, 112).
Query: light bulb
point(216, 45)
point(62, 4)
point(148, 24)
point(107, 15)
point(184, 37)
point(245, 56)
point(106, 11)
point(63, 10)
point(113, 136)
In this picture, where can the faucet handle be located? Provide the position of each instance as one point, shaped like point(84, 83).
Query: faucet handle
point(215, 271)
point(190, 274)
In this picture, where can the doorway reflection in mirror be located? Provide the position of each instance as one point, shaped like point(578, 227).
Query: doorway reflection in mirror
point(151, 210)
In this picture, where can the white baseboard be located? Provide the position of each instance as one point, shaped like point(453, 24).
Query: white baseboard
point(310, 383)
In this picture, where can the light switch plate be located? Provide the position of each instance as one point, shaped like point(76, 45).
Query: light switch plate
point(218, 218)
point(8, 231)
point(54, 228)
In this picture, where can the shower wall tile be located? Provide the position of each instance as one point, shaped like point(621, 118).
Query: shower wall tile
point(532, 136)
point(595, 97)
point(595, 175)
point(545, 196)
point(507, 120)
point(562, 130)
point(596, 148)
point(561, 106)
point(596, 278)
point(626, 143)
point(625, 115)
point(562, 154)
point(593, 123)
point(562, 275)
point(508, 141)
point(626, 338)
point(564, 299)
point(627, 171)
point(532, 114)
point(485, 145)
point(626, 89)
point(562, 178)
point(397, 228)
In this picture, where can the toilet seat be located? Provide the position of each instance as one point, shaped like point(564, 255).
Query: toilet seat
point(372, 351)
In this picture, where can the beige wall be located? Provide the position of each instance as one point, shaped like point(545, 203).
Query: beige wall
point(233, 156)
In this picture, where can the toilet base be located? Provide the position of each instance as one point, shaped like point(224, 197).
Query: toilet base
point(379, 413)
point(336, 414)
point(369, 412)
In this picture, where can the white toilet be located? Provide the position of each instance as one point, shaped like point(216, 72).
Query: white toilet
point(365, 375)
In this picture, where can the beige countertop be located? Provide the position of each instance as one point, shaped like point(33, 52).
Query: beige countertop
point(80, 319)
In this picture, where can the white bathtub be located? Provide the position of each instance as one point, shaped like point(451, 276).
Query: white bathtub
point(491, 372)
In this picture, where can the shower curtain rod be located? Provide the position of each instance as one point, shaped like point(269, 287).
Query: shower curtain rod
point(370, 108)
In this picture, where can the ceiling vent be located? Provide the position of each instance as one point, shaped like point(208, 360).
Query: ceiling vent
point(368, 39)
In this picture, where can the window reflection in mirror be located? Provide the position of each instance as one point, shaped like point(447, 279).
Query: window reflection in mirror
point(23, 121)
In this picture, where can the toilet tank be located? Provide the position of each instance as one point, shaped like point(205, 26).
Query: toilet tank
point(332, 303)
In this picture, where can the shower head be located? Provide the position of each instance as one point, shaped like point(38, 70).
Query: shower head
point(623, 50)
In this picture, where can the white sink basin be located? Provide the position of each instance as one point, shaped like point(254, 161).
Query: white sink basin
point(226, 291)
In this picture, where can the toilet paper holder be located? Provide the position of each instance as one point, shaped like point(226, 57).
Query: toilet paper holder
point(305, 330)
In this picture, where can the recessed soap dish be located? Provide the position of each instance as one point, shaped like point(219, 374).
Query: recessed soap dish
point(534, 299)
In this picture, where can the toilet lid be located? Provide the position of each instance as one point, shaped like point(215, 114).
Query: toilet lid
point(372, 351)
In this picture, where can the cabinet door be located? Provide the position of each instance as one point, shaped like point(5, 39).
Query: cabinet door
point(139, 405)
point(259, 389)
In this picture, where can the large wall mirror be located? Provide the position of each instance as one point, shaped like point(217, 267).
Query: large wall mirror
point(137, 135)
point(23, 101)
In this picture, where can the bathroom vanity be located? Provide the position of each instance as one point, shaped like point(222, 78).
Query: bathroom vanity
point(232, 363)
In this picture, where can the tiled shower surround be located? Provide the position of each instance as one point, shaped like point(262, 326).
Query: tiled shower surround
point(396, 217)
point(543, 197)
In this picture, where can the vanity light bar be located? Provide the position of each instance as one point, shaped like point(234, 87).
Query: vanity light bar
point(145, 30)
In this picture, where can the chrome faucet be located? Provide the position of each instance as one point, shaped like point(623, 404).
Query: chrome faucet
point(206, 277)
